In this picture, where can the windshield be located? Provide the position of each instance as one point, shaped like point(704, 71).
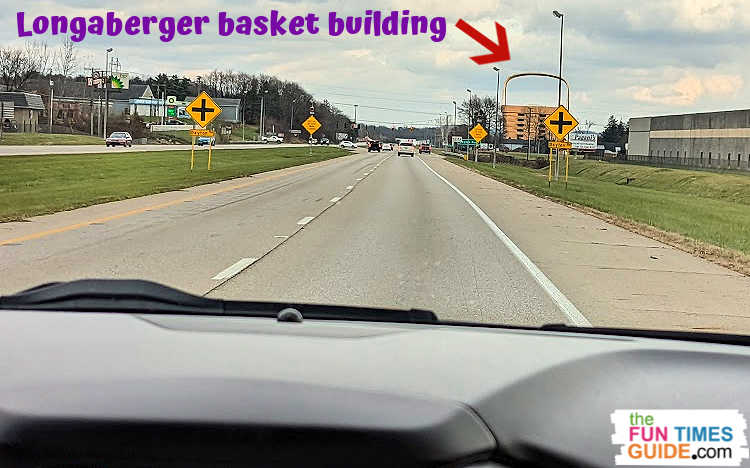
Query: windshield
point(588, 165)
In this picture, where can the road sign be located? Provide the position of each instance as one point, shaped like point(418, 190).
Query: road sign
point(560, 144)
point(295, 132)
point(311, 124)
point(456, 139)
point(171, 112)
point(478, 132)
point(201, 132)
point(203, 109)
point(560, 122)
point(171, 100)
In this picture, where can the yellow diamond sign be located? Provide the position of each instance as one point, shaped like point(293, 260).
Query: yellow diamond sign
point(311, 124)
point(203, 109)
point(560, 122)
point(478, 133)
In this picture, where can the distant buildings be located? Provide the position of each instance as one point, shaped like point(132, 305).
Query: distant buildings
point(718, 140)
point(21, 111)
point(525, 122)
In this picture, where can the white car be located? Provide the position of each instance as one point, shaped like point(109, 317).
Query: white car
point(272, 139)
point(405, 147)
point(119, 139)
point(347, 144)
point(387, 147)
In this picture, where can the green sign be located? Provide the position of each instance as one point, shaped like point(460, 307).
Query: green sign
point(171, 111)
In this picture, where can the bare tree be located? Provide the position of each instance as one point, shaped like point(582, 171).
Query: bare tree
point(66, 61)
point(19, 64)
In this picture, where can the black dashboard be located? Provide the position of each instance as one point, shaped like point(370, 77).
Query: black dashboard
point(124, 390)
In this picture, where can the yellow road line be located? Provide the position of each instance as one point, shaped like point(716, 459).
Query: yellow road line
point(72, 227)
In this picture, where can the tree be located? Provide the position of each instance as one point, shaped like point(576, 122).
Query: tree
point(19, 64)
point(66, 61)
point(615, 132)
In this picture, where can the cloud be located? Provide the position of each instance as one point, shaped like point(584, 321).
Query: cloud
point(687, 90)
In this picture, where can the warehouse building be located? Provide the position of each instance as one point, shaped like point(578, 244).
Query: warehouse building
point(719, 140)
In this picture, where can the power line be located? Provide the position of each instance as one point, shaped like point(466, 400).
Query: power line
point(386, 108)
point(414, 101)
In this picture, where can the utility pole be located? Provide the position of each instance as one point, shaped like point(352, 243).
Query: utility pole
point(91, 102)
point(497, 97)
point(261, 118)
point(2, 118)
point(528, 131)
point(51, 93)
point(468, 125)
point(106, 91)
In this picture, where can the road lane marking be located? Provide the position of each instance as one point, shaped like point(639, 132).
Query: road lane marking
point(281, 237)
point(72, 227)
point(562, 302)
point(359, 179)
point(305, 220)
point(237, 267)
point(350, 187)
point(335, 199)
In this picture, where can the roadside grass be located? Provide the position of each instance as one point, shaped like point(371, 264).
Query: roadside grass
point(706, 207)
point(251, 132)
point(177, 136)
point(34, 185)
point(13, 139)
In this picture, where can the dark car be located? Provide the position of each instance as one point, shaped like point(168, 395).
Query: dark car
point(424, 148)
point(374, 145)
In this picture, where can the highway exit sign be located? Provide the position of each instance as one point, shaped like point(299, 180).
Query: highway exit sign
point(560, 122)
point(311, 124)
point(203, 109)
point(478, 133)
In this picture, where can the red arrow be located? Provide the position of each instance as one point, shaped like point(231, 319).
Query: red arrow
point(498, 51)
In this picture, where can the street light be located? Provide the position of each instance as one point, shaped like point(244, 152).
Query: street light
point(497, 129)
point(291, 117)
point(471, 120)
point(106, 91)
point(559, 78)
point(51, 92)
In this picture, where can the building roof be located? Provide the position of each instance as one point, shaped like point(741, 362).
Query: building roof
point(135, 91)
point(23, 100)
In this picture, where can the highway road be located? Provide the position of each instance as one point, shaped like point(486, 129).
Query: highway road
point(371, 229)
point(90, 149)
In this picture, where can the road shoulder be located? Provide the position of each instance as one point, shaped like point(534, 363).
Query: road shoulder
point(615, 277)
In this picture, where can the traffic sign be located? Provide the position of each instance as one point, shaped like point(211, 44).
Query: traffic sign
point(560, 122)
point(311, 125)
point(202, 133)
point(171, 100)
point(203, 109)
point(560, 144)
point(477, 133)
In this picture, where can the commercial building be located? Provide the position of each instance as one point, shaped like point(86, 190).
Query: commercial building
point(525, 122)
point(718, 140)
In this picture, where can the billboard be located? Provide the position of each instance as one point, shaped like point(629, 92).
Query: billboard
point(583, 139)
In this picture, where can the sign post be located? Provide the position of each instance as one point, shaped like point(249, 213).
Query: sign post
point(477, 133)
point(560, 123)
point(203, 111)
point(311, 125)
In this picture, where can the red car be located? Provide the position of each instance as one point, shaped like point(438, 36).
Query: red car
point(424, 148)
point(119, 139)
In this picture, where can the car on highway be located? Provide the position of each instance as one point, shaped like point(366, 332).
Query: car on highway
point(347, 144)
point(313, 141)
point(119, 139)
point(273, 139)
point(387, 147)
point(424, 148)
point(374, 145)
point(325, 141)
point(405, 147)
point(202, 141)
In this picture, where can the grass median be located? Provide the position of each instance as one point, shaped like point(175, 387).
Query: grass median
point(710, 208)
point(34, 185)
point(24, 139)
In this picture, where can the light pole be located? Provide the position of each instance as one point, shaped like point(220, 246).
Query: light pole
point(262, 115)
point(51, 93)
point(559, 78)
point(291, 117)
point(497, 129)
point(106, 91)
point(468, 128)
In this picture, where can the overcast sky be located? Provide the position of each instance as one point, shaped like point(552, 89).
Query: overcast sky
point(629, 59)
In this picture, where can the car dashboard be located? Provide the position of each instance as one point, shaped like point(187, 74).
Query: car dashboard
point(123, 390)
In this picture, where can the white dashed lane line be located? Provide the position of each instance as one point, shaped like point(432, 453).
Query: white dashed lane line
point(335, 199)
point(350, 187)
point(240, 265)
point(305, 220)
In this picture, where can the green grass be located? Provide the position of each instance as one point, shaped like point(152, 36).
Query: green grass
point(179, 136)
point(34, 185)
point(705, 206)
point(11, 139)
point(251, 133)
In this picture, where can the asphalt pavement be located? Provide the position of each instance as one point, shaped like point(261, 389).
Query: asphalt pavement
point(369, 229)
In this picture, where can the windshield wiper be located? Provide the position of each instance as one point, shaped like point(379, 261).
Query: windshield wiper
point(138, 296)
